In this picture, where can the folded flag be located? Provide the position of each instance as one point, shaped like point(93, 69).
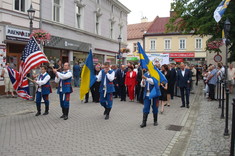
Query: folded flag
point(88, 77)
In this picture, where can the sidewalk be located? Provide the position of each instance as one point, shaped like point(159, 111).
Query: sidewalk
point(86, 132)
point(203, 131)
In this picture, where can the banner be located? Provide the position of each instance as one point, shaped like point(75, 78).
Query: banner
point(159, 58)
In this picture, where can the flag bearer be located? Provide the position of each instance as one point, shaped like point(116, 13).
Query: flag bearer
point(106, 77)
point(64, 89)
point(43, 90)
point(148, 84)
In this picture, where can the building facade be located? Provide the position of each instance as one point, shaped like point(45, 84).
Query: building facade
point(76, 26)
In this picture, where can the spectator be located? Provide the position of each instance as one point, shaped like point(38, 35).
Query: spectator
point(231, 77)
point(7, 81)
point(211, 81)
point(76, 74)
point(130, 82)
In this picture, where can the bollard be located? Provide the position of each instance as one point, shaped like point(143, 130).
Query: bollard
point(217, 88)
point(233, 131)
point(226, 131)
point(222, 109)
point(220, 93)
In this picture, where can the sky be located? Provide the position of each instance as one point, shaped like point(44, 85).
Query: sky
point(146, 8)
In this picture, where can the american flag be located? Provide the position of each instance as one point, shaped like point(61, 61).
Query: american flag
point(32, 57)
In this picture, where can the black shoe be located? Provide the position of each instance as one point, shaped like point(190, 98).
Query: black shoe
point(182, 106)
point(62, 116)
point(121, 100)
point(107, 113)
point(86, 102)
point(187, 106)
point(38, 113)
point(155, 116)
point(145, 116)
point(65, 117)
point(45, 113)
point(106, 117)
point(63, 111)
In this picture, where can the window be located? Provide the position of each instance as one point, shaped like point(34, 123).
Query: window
point(97, 24)
point(79, 16)
point(134, 47)
point(98, 1)
point(20, 5)
point(57, 10)
point(121, 14)
point(167, 44)
point(112, 9)
point(152, 45)
point(111, 30)
point(121, 31)
point(182, 44)
point(198, 42)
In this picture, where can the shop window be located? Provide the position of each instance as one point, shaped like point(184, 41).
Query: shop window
point(20, 5)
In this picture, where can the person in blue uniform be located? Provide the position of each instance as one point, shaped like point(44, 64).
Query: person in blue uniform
point(43, 90)
point(106, 77)
point(148, 84)
point(64, 90)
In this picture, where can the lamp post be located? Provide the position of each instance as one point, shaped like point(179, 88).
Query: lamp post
point(119, 51)
point(227, 26)
point(232, 146)
point(31, 13)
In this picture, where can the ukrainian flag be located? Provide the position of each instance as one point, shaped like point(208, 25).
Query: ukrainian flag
point(219, 11)
point(154, 72)
point(88, 77)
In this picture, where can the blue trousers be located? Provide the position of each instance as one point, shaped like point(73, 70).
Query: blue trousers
point(39, 97)
point(64, 100)
point(106, 101)
point(147, 104)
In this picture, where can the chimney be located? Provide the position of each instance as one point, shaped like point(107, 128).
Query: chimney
point(144, 19)
point(172, 13)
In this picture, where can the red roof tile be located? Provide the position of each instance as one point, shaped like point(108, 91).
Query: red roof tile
point(158, 25)
point(135, 31)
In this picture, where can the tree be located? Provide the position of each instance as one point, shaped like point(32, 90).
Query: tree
point(196, 17)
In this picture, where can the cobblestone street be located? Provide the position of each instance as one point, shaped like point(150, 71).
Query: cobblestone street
point(87, 133)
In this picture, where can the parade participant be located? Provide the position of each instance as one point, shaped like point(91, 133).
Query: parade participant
point(106, 77)
point(148, 84)
point(43, 90)
point(64, 89)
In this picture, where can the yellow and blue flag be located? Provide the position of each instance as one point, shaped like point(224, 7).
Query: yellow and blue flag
point(88, 77)
point(219, 11)
point(154, 72)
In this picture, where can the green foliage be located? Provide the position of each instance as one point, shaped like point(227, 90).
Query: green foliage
point(196, 17)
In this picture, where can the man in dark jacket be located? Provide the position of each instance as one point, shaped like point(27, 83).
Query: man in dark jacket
point(76, 74)
point(120, 79)
point(172, 79)
point(184, 78)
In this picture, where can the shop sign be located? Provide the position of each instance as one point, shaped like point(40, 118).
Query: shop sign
point(178, 59)
point(132, 59)
point(17, 34)
point(181, 54)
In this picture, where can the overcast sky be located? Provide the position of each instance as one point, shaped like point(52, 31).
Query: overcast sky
point(148, 8)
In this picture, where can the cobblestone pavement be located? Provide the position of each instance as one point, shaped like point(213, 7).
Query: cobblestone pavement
point(85, 132)
point(203, 131)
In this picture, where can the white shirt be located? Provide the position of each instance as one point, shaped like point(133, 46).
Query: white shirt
point(183, 72)
point(41, 82)
point(109, 76)
point(6, 74)
point(62, 76)
point(143, 83)
point(231, 73)
point(131, 73)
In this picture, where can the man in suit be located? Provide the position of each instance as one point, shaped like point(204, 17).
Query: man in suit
point(184, 77)
point(172, 80)
point(120, 79)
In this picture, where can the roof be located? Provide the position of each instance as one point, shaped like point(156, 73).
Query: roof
point(158, 26)
point(136, 31)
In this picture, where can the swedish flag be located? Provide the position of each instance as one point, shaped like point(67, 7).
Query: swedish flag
point(88, 77)
point(154, 72)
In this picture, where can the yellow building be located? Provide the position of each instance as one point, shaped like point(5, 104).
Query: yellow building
point(181, 47)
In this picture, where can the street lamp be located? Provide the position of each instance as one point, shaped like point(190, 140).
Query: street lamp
point(119, 51)
point(227, 26)
point(31, 13)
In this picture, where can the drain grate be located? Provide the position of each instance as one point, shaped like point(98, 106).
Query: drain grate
point(174, 128)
